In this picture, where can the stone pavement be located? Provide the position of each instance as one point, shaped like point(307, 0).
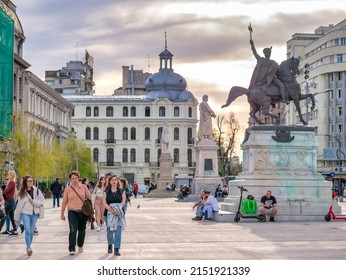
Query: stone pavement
point(162, 229)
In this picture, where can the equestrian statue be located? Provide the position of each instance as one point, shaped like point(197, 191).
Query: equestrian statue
point(271, 83)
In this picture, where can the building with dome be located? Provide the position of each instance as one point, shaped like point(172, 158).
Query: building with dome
point(124, 130)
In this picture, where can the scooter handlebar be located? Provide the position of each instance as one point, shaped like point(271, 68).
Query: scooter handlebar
point(242, 188)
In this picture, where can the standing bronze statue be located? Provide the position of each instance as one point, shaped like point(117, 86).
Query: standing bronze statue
point(271, 83)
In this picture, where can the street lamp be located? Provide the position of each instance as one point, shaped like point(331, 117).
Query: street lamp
point(339, 152)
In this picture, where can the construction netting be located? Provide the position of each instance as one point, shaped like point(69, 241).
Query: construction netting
point(6, 74)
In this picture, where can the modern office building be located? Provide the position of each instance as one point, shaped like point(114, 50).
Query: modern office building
point(323, 67)
point(124, 131)
point(77, 77)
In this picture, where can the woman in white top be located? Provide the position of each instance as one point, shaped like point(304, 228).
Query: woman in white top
point(98, 205)
point(30, 199)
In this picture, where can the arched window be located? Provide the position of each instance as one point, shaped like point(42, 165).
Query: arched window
point(190, 112)
point(133, 111)
point(110, 157)
point(125, 155)
point(176, 155)
point(96, 155)
point(110, 134)
point(189, 136)
point(147, 155)
point(125, 111)
point(88, 112)
point(176, 133)
point(147, 133)
point(109, 111)
point(147, 111)
point(133, 155)
point(133, 133)
point(96, 133)
point(87, 133)
point(125, 133)
point(176, 111)
point(162, 111)
point(96, 111)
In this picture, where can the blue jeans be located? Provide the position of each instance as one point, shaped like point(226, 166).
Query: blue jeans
point(199, 211)
point(114, 236)
point(57, 198)
point(29, 222)
point(77, 222)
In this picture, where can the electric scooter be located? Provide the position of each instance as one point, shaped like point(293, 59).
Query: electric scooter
point(331, 213)
point(238, 215)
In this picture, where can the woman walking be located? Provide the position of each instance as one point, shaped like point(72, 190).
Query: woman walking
point(9, 195)
point(98, 205)
point(114, 200)
point(73, 198)
point(30, 199)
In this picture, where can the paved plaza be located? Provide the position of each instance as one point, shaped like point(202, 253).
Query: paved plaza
point(162, 229)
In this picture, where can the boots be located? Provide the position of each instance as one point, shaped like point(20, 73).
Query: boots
point(110, 249)
point(116, 252)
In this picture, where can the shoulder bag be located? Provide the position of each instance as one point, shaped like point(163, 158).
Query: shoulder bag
point(87, 208)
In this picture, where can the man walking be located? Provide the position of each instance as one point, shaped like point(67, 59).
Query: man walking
point(56, 191)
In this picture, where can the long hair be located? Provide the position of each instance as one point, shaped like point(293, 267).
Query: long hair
point(24, 185)
point(124, 182)
point(99, 183)
point(109, 186)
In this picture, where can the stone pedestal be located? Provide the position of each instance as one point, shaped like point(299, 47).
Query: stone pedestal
point(207, 169)
point(165, 172)
point(282, 159)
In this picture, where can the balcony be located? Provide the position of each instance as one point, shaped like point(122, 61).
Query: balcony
point(109, 163)
point(191, 142)
point(154, 164)
point(157, 141)
point(110, 141)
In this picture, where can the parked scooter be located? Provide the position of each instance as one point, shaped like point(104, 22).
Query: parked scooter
point(240, 215)
point(331, 213)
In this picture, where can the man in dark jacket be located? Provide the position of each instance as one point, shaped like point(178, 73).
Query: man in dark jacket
point(56, 191)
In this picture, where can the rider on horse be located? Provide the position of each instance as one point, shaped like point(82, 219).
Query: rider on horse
point(265, 72)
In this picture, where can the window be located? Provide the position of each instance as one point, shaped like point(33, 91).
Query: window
point(158, 155)
point(189, 136)
point(147, 155)
point(61, 82)
point(339, 76)
point(125, 155)
point(339, 93)
point(133, 133)
point(125, 112)
point(96, 133)
point(159, 133)
point(340, 128)
point(162, 111)
point(189, 157)
point(96, 155)
point(176, 155)
point(96, 111)
point(88, 112)
point(109, 111)
point(176, 111)
point(87, 133)
point(133, 155)
point(133, 111)
point(72, 114)
point(340, 111)
point(125, 133)
point(147, 111)
point(339, 58)
point(110, 133)
point(176, 133)
point(147, 133)
point(110, 157)
point(190, 112)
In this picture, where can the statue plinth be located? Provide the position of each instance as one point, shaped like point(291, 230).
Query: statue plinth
point(207, 167)
point(283, 159)
point(165, 171)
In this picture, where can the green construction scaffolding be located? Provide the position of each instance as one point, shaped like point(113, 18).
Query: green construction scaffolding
point(6, 74)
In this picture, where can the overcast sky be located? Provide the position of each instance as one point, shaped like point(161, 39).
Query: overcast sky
point(209, 39)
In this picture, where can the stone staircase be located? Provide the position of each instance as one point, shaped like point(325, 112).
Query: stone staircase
point(160, 193)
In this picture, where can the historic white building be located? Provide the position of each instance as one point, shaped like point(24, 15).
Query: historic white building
point(124, 131)
point(322, 57)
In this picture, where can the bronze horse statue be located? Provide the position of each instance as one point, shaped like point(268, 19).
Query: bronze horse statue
point(259, 99)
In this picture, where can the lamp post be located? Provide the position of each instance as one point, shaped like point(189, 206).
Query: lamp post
point(339, 152)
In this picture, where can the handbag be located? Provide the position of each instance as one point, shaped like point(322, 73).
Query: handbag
point(2, 212)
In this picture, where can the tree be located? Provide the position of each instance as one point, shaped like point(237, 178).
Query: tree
point(225, 137)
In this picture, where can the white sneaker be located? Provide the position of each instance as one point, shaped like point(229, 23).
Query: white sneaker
point(98, 228)
point(72, 253)
point(103, 226)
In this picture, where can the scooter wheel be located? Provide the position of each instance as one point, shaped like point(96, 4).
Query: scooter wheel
point(262, 218)
point(236, 219)
point(328, 217)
